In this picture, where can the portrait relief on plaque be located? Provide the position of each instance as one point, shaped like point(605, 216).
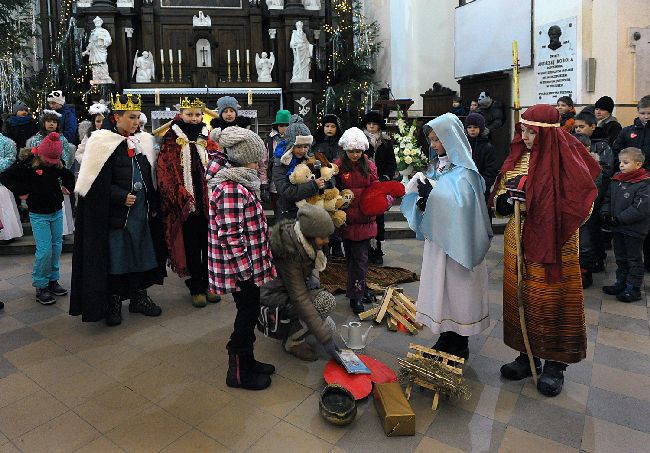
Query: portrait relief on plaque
point(204, 4)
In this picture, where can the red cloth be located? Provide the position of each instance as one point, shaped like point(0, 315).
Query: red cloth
point(358, 227)
point(374, 199)
point(360, 385)
point(636, 176)
point(560, 189)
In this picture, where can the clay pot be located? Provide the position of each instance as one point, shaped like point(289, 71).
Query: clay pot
point(337, 405)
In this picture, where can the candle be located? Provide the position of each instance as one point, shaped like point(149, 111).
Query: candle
point(171, 57)
point(162, 57)
point(157, 97)
point(250, 97)
point(179, 56)
point(237, 56)
point(228, 57)
point(248, 56)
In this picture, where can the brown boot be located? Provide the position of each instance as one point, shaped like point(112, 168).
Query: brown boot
point(303, 351)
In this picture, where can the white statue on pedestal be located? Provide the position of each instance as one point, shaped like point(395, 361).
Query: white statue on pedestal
point(144, 67)
point(201, 20)
point(97, 51)
point(275, 4)
point(311, 4)
point(302, 52)
point(264, 67)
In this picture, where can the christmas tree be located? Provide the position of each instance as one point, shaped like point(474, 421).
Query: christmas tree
point(352, 48)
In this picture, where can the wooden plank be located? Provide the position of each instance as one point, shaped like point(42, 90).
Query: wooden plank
point(407, 302)
point(391, 324)
point(403, 309)
point(368, 313)
point(422, 349)
point(384, 305)
point(403, 320)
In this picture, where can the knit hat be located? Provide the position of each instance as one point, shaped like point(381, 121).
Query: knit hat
point(373, 117)
point(50, 149)
point(297, 133)
point(56, 96)
point(475, 119)
point(18, 106)
point(354, 138)
point(47, 114)
point(227, 101)
point(319, 135)
point(242, 146)
point(605, 103)
point(282, 117)
point(315, 222)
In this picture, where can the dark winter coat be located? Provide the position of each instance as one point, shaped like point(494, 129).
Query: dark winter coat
point(43, 184)
point(68, 124)
point(384, 158)
point(600, 146)
point(289, 194)
point(611, 127)
point(484, 158)
point(638, 136)
point(628, 202)
point(493, 116)
point(20, 129)
point(295, 268)
point(330, 147)
point(358, 227)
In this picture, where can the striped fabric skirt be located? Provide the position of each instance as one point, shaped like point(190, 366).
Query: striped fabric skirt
point(555, 315)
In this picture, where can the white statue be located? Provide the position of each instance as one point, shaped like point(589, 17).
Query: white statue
point(144, 67)
point(313, 5)
point(201, 20)
point(275, 4)
point(264, 67)
point(302, 52)
point(97, 51)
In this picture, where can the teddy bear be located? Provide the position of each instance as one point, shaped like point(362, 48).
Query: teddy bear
point(300, 175)
point(332, 202)
point(346, 199)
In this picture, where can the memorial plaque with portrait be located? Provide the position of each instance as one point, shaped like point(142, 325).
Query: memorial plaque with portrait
point(204, 4)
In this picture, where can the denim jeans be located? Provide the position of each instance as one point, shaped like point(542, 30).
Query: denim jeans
point(48, 234)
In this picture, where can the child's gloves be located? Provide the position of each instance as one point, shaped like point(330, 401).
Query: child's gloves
point(516, 188)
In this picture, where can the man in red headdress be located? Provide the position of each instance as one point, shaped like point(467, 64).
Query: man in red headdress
point(551, 175)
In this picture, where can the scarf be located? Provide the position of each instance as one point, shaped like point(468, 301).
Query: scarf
point(186, 156)
point(247, 177)
point(319, 258)
point(15, 120)
point(635, 176)
point(442, 163)
point(286, 157)
point(374, 138)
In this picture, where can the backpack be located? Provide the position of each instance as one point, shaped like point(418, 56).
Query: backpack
point(273, 321)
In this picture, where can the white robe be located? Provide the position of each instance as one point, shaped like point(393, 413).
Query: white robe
point(11, 225)
point(452, 297)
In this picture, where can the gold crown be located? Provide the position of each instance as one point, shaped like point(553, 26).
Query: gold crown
point(118, 106)
point(194, 104)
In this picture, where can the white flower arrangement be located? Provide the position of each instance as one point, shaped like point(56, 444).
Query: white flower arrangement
point(407, 152)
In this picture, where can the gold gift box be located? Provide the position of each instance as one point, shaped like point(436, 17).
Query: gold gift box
point(397, 417)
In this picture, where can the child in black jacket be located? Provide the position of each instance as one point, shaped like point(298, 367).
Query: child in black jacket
point(482, 150)
point(627, 209)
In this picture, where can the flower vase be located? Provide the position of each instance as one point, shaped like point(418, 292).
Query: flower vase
point(405, 174)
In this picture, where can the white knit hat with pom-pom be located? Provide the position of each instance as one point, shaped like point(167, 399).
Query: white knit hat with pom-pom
point(354, 138)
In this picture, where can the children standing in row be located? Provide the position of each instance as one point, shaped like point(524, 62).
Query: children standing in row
point(482, 150)
point(567, 112)
point(278, 128)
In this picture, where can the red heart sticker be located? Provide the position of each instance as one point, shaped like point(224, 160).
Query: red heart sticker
point(633, 135)
point(131, 152)
point(39, 172)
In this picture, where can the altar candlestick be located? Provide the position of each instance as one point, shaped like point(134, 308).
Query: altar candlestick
point(248, 65)
point(238, 67)
point(237, 56)
point(171, 65)
point(229, 77)
point(162, 66)
point(228, 57)
point(179, 56)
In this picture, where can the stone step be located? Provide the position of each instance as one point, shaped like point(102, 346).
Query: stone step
point(27, 246)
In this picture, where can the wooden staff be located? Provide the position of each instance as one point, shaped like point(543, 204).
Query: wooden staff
point(515, 79)
point(520, 290)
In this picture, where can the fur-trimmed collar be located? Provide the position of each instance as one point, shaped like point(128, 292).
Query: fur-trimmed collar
point(100, 146)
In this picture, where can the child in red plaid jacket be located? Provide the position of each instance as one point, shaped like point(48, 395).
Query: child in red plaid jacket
point(239, 258)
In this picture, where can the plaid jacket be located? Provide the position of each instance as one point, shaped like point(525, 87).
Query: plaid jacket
point(238, 239)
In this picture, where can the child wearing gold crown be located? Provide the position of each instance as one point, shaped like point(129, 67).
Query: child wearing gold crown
point(119, 249)
point(181, 178)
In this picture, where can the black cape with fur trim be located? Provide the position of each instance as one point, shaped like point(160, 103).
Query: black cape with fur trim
point(89, 289)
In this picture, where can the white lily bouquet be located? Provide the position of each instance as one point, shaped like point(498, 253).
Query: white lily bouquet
point(408, 155)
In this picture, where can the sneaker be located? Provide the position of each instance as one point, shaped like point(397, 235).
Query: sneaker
point(56, 289)
point(629, 294)
point(44, 296)
point(614, 289)
point(199, 300)
point(213, 298)
point(142, 303)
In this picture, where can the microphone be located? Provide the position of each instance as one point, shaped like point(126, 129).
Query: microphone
point(317, 166)
point(137, 187)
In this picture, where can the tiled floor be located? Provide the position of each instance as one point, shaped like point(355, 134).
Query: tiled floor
point(158, 384)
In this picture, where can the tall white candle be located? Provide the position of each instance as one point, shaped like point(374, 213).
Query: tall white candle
point(171, 57)
point(248, 56)
point(179, 56)
point(237, 56)
point(228, 57)
point(162, 57)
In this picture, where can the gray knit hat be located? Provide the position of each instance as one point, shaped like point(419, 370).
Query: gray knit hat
point(227, 101)
point(241, 145)
point(315, 221)
point(18, 106)
point(297, 133)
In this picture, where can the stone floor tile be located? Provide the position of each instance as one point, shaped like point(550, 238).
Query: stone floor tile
point(428, 445)
point(80, 387)
point(195, 441)
point(573, 397)
point(615, 307)
point(238, 425)
point(622, 359)
point(37, 314)
point(307, 417)
point(35, 353)
point(282, 397)
point(633, 325)
point(6, 368)
point(486, 371)
point(55, 325)
point(601, 436)
point(126, 365)
point(9, 448)
point(466, 430)
point(107, 410)
point(159, 382)
point(620, 409)
point(285, 436)
point(491, 402)
point(195, 402)
point(579, 372)
point(619, 381)
point(592, 316)
point(148, 431)
point(496, 349)
point(51, 371)
point(9, 323)
point(518, 441)
point(624, 340)
point(373, 439)
point(26, 414)
point(67, 432)
point(102, 444)
point(17, 338)
point(15, 387)
point(549, 421)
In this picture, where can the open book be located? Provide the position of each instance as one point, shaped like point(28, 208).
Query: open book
point(352, 363)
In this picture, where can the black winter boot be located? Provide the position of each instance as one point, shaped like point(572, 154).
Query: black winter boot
point(614, 289)
point(443, 342)
point(368, 297)
point(587, 279)
point(142, 303)
point(337, 250)
point(114, 311)
point(262, 368)
point(241, 374)
point(357, 306)
point(520, 368)
point(458, 345)
point(629, 294)
point(552, 379)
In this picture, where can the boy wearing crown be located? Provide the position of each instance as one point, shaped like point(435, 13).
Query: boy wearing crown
point(184, 198)
point(119, 249)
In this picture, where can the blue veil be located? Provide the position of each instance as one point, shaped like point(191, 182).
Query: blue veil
point(456, 217)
